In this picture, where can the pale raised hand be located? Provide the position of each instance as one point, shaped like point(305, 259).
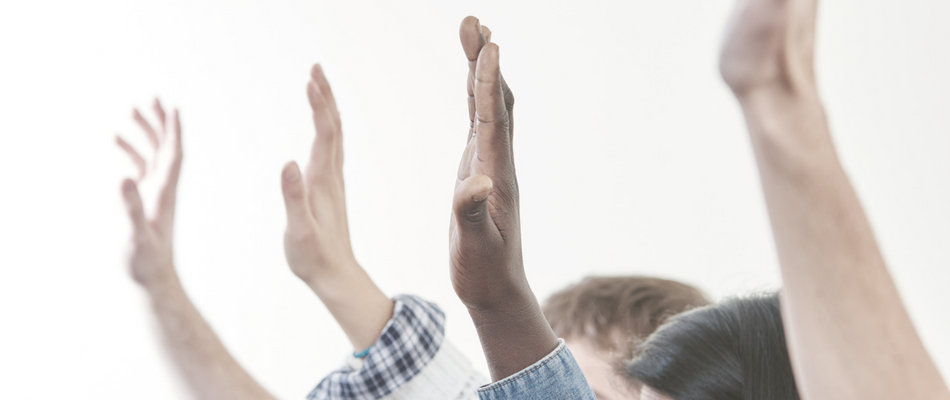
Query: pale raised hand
point(848, 333)
point(198, 354)
point(150, 256)
point(317, 239)
point(770, 44)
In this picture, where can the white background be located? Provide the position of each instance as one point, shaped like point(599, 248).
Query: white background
point(631, 154)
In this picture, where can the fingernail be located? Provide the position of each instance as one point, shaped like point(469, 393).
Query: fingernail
point(482, 194)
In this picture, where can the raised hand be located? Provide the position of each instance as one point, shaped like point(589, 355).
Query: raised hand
point(198, 354)
point(150, 258)
point(848, 333)
point(485, 232)
point(317, 239)
point(770, 44)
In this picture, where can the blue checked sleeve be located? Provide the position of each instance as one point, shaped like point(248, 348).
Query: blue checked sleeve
point(408, 342)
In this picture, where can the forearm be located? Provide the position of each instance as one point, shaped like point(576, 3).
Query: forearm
point(200, 357)
point(848, 332)
point(357, 304)
point(515, 338)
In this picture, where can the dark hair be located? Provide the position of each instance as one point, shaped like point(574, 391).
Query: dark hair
point(617, 312)
point(733, 350)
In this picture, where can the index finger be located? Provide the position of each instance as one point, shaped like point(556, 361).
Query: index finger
point(470, 33)
point(491, 113)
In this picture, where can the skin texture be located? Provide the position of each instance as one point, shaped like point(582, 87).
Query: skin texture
point(206, 366)
point(849, 335)
point(596, 365)
point(317, 239)
point(487, 270)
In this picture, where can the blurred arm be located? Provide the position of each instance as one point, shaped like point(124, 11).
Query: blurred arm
point(849, 334)
point(197, 353)
point(207, 366)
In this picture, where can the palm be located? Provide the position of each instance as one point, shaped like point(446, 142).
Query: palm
point(157, 178)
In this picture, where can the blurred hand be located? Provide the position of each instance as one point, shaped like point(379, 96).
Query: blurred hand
point(485, 232)
point(317, 239)
point(770, 44)
point(150, 257)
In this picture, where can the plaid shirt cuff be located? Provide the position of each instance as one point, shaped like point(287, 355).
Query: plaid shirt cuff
point(407, 344)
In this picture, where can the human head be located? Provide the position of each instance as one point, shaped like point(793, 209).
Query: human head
point(603, 319)
point(733, 350)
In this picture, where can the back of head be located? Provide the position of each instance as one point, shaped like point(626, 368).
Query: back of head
point(733, 350)
point(616, 312)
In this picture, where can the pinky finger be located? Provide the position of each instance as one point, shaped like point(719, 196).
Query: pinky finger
point(136, 158)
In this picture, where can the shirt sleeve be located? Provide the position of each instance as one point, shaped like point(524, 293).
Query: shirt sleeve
point(449, 376)
point(556, 376)
point(405, 349)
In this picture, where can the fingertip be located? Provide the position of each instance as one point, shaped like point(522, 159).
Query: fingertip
point(314, 94)
point(471, 37)
point(487, 62)
point(469, 203)
point(291, 172)
point(128, 187)
point(486, 33)
point(468, 23)
point(490, 52)
point(316, 72)
point(481, 187)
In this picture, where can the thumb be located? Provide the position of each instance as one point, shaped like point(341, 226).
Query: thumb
point(133, 205)
point(295, 194)
point(470, 205)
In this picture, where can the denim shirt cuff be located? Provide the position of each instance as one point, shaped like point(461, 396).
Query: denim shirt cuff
point(556, 376)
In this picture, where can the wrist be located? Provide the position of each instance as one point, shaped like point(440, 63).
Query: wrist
point(355, 302)
point(162, 282)
point(789, 131)
point(513, 338)
point(339, 282)
point(512, 310)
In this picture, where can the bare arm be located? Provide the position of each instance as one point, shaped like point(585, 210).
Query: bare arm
point(848, 332)
point(485, 233)
point(317, 240)
point(202, 360)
